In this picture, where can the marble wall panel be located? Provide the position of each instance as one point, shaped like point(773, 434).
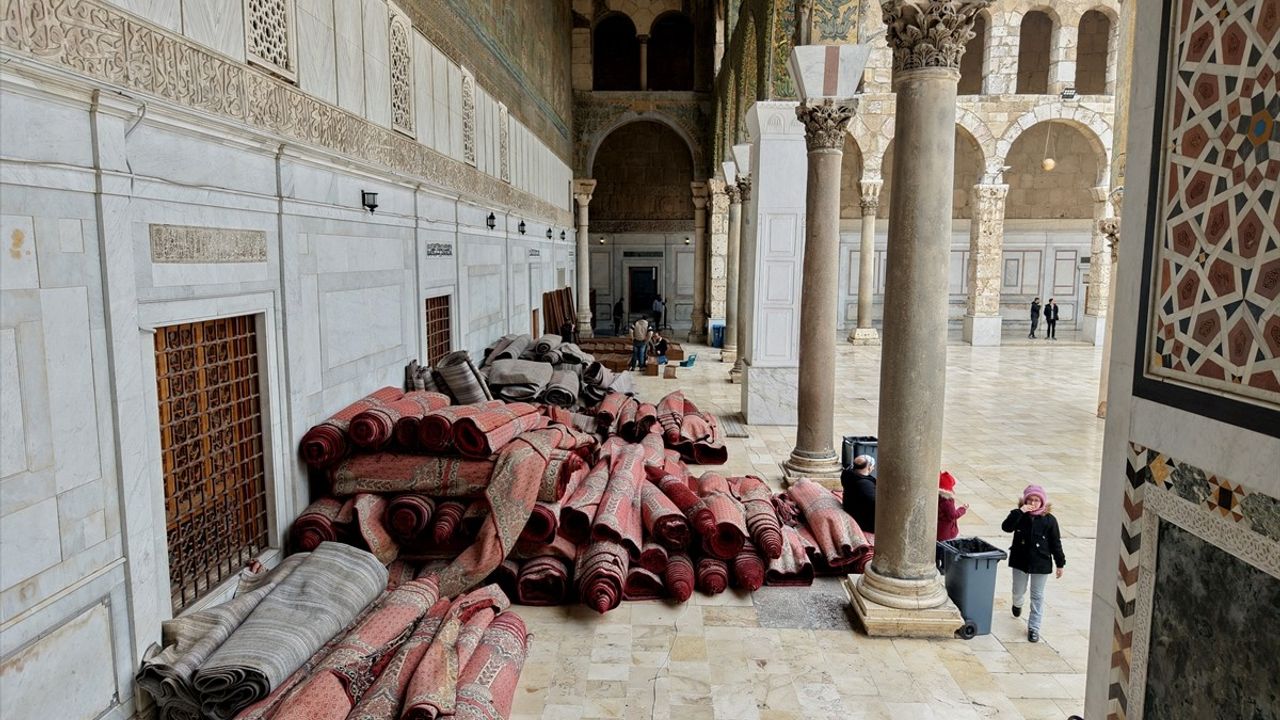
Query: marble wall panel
point(317, 49)
point(219, 24)
point(377, 62)
point(348, 23)
point(35, 681)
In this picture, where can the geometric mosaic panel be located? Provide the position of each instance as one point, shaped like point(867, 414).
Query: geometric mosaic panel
point(1216, 313)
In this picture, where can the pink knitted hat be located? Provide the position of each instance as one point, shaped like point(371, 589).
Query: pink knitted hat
point(1037, 491)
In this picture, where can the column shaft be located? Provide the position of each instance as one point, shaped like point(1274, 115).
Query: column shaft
point(743, 314)
point(1110, 229)
point(1095, 301)
point(982, 321)
point(730, 351)
point(582, 194)
point(865, 333)
point(644, 61)
point(698, 333)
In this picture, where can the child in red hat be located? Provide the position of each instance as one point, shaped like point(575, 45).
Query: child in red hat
point(948, 512)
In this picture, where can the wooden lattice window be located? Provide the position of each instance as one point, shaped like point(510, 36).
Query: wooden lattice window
point(439, 340)
point(211, 445)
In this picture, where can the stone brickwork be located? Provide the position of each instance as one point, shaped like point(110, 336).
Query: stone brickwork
point(643, 171)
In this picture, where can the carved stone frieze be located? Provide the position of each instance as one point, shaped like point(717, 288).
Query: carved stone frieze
point(468, 118)
point(642, 226)
point(825, 124)
point(188, 244)
point(401, 75)
point(101, 42)
point(504, 140)
point(929, 33)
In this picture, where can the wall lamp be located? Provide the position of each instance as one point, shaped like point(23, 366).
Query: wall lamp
point(548, 233)
point(369, 200)
point(491, 221)
point(562, 235)
point(520, 227)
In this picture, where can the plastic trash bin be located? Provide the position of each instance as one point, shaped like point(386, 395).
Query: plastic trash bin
point(717, 336)
point(970, 566)
point(855, 445)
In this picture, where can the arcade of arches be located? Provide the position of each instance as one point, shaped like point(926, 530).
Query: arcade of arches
point(226, 220)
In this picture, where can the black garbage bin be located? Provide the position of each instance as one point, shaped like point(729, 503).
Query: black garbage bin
point(855, 445)
point(970, 566)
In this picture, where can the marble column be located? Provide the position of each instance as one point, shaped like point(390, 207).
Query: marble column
point(730, 351)
point(582, 189)
point(698, 333)
point(1110, 229)
point(901, 593)
point(644, 61)
point(865, 333)
point(1095, 300)
point(982, 321)
point(815, 452)
point(741, 296)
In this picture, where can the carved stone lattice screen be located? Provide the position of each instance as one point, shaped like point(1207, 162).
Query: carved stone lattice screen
point(268, 29)
point(401, 76)
point(211, 446)
point(439, 339)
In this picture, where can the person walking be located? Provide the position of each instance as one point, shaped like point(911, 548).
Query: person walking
point(639, 344)
point(1037, 547)
point(1035, 317)
point(659, 307)
point(1051, 320)
point(617, 317)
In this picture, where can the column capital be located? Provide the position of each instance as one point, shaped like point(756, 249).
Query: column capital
point(735, 195)
point(929, 33)
point(582, 190)
point(744, 186)
point(642, 38)
point(990, 192)
point(1110, 229)
point(825, 124)
point(700, 193)
point(870, 195)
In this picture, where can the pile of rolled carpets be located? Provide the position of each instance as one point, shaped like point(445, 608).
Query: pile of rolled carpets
point(601, 571)
point(482, 434)
point(519, 380)
point(463, 379)
point(762, 520)
point(373, 428)
point(326, 443)
point(838, 538)
point(727, 514)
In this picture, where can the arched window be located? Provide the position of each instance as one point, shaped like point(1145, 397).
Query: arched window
point(671, 53)
point(615, 54)
point(971, 63)
point(1033, 53)
point(1091, 57)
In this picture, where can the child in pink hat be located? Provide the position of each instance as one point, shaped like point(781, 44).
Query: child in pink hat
point(1037, 547)
point(948, 512)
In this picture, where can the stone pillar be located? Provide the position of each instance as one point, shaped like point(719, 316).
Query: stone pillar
point(644, 61)
point(815, 453)
point(717, 248)
point(1095, 300)
point(582, 189)
point(865, 333)
point(698, 333)
point(1110, 229)
point(730, 351)
point(901, 593)
point(742, 297)
point(982, 321)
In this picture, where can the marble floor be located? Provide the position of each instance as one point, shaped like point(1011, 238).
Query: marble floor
point(1014, 415)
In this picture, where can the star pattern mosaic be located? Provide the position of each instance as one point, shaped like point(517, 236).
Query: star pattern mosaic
point(1217, 312)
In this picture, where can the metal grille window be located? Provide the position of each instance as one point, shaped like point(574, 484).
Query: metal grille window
point(211, 445)
point(439, 341)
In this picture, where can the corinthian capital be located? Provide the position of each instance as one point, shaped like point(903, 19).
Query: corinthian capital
point(735, 196)
point(744, 186)
point(929, 33)
point(1110, 228)
point(582, 190)
point(825, 124)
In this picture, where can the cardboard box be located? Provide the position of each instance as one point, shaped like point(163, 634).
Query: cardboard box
point(651, 369)
point(669, 372)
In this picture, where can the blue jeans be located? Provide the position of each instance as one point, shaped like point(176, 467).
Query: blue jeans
point(637, 353)
point(1037, 581)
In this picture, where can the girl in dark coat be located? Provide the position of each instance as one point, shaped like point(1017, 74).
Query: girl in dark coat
point(1037, 547)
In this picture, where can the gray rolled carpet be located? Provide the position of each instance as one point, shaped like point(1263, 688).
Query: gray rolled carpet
point(513, 350)
point(563, 389)
point(519, 380)
point(466, 385)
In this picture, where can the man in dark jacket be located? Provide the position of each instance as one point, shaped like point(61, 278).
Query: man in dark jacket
point(859, 484)
point(1035, 317)
point(1051, 320)
point(617, 317)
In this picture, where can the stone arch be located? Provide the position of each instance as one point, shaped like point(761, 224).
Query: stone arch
point(1096, 129)
point(974, 61)
point(642, 179)
point(631, 116)
point(615, 53)
point(982, 136)
point(671, 46)
point(1096, 52)
point(1038, 33)
point(970, 165)
point(1064, 191)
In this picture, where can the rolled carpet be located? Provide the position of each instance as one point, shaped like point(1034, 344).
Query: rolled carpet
point(762, 521)
point(619, 518)
point(646, 418)
point(386, 695)
point(562, 390)
point(435, 430)
point(373, 428)
point(653, 557)
point(730, 522)
point(504, 576)
point(793, 569)
point(600, 572)
point(371, 521)
point(627, 419)
point(679, 576)
point(579, 421)
point(699, 515)
point(563, 475)
point(547, 343)
point(396, 473)
point(643, 584)
point(748, 569)
point(512, 350)
point(663, 520)
point(838, 537)
point(432, 691)
point(670, 414)
point(519, 380)
point(326, 443)
point(487, 684)
point(409, 516)
point(465, 382)
point(609, 410)
point(491, 352)
point(320, 597)
point(447, 519)
point(579, 510)
point(544, 579)
point(543, 523)
point(571, 354)
point(709, 448)
point(319, 523)
point(488, 431)
point(713, 575)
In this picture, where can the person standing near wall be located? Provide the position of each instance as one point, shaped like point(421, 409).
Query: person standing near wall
point(617, 317)
point(1051, 320)
point(639, 344)
point(659, 307)
point(1035, 317)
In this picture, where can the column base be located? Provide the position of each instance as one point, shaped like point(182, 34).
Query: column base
point(982, 330)
point(864, 336)
point(698, 329)
point(879, 620)
point(735, 373)
point(817, 466)
point(1095, 329)
point(729, 354)
point(585, 330)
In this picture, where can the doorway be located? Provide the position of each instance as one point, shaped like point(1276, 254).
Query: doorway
point(642, 288)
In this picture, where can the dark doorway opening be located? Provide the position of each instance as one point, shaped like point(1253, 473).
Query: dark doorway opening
point(642, 284)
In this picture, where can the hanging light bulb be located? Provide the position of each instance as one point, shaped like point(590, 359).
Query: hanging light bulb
point(1048, 163)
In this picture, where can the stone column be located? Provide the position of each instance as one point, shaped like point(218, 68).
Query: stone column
point(865, 333)
point(698, 333)
point(717, 248)
point(1095, 300)
point(901, 593)
point(815, 453)
point(730, 351)
point(644, 61)
point(982, 321)
point(1110, 229)
point(741, 296)
point(582, 189)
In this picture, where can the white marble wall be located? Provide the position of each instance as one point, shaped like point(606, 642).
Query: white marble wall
point(674, 261)
point(339, 300)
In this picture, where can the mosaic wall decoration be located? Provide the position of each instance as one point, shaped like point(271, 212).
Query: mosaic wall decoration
point(1216, 298)
point(1200, 499)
